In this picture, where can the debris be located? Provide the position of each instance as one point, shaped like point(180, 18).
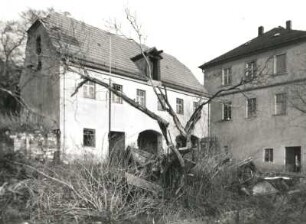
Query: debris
point(143, 184)
point(2, 189)
point(264, 188)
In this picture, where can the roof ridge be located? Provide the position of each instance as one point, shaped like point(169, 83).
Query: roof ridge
point(265, 41)
point(94, 47)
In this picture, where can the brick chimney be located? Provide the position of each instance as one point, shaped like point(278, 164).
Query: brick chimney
point(260, 30)
point(288, 24)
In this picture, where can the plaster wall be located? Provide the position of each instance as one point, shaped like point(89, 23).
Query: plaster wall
point(78, 113)
point(250, 136)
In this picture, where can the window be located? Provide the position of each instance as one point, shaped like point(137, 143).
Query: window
point(159, 105)
point(268, 157)
point(117, 99)
point(89, 90)
point(38, 45)
point(195, 105)
point(250, 70)
point(155, 69)
point(251, 107)
point(280, 104)
point(179, 106)
point(39, 65)
point(227, 111)
point(89, 137)
point(226, 76)
point(280, 65)
point(141, 97)
point(226, 149)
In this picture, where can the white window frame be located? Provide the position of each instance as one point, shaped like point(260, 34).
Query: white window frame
point(89, 90)
point(248, 115)
point(195, 105)
point(179, 106)
point(115, 98)
point(226, 78)
point(284, 104)
point(270, 157)
point(224, 106)
point(141, 97)
point(275, 72)
point(93, 145)
point(250, 70)
point(159, 105)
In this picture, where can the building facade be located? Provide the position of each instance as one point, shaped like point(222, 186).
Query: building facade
point(263, 117)
point(94, 120)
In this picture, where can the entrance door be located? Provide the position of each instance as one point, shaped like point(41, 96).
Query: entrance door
point(293, 159)
point(116, 145)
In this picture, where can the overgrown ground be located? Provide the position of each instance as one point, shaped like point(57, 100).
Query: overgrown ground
point(90, 192)
point(87, 192)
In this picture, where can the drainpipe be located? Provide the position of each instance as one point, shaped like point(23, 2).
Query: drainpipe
point(110, 95)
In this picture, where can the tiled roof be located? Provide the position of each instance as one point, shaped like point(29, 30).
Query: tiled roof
point(93, 45)
point(277, 37)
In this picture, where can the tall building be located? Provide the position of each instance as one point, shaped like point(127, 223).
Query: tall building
point(264, 117)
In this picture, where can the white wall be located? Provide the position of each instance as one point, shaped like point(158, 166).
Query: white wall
point(78, 112)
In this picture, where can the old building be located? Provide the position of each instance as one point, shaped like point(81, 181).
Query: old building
point(263, 117)
point(87, 119)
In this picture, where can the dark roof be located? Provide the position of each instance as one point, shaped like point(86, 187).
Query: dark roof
point(275, 38)
point(92, 44)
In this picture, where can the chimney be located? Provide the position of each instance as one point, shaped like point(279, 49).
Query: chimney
point(260, 30)
point(288, 24)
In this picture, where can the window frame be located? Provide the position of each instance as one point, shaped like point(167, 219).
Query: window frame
point(179, 106)
point(268, 155)
point(253, 112)
point(195, 105)
point(226, 76)
point(275, 64)
point(117, 99)
point(283, 104)
point(250, 69)
point(227, 110)
point(89, 135)
point(87, 90)
point(159, 105)
point(141, 99)
point(38, 48)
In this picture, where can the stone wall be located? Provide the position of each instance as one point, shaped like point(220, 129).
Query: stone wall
point(37, 145)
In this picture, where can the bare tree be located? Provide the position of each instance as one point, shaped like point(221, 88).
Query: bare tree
point(161, 93)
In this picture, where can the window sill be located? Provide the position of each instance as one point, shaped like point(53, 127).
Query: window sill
point(280, 74)
point(224, 120)
point(89, 147)
point(226, 85)
point(277, 115)
point(251, 117)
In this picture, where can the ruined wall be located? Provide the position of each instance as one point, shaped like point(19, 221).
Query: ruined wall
point(40, 83)
point(39, 146)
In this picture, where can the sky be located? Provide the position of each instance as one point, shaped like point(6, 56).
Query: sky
point(194, 31)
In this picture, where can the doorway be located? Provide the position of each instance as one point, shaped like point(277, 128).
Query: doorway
point(293, 159)
point(150, 141)
point(116, 145)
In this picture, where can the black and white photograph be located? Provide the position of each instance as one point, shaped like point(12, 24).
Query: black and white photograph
point(152, 112)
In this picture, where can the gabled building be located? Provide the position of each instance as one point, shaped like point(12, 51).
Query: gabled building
point(261, 118)
point(94, 120)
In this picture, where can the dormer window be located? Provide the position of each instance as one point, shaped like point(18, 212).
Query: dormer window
point(38, 45)
point(155, 69)
point(153, 56)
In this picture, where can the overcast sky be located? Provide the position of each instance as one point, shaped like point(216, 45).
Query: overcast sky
point(193, 31)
